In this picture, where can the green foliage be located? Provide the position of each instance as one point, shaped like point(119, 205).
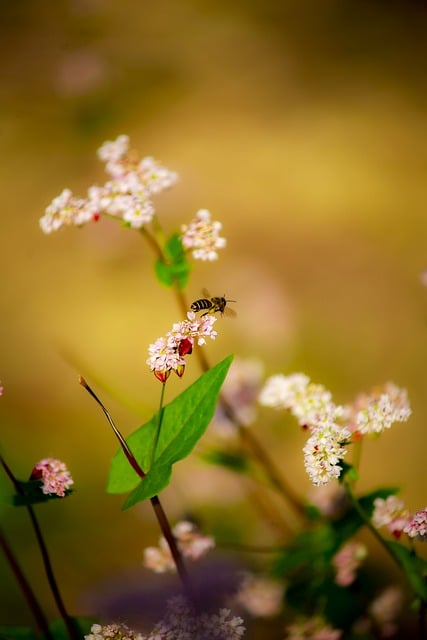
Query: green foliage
point(9, 632)
point(57, 629)
point(234, 461)
point(414, 567)
point(349, 524)
point(81, 624)
point(176, 268)
point(33, 494)
point(184, 421)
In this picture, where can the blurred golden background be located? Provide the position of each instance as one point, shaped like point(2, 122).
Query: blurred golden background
point(301, 126)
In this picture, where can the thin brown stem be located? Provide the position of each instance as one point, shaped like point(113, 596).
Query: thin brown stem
point(155, 501)
point(68, 622)
point(33, 603)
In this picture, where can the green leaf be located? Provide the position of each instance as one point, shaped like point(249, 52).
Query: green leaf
point(9, 632)
point(184, 421)
point(415, 568)
point(33, 494)
point(176, 268)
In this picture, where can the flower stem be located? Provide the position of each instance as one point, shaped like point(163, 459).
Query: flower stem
point(68, 622)
point(26, 589)
point(155, 501)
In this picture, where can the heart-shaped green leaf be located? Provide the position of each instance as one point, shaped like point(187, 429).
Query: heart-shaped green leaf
point(184, 421)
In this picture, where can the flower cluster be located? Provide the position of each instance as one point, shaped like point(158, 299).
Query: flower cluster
point(346, 562)
point(202, 236)
point(312, 629)
point(260, 596)
point(167, 353)
point(126, 195)
point(240, 391)
point(191, 543)
point(331, 426)
point(54, 475)
point(375, 412)
point(390, 513)
point(179, 623)
point(417, 526)
point(115, 631)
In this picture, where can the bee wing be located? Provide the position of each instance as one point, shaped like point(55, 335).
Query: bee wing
point(230, 312)
point(206, 293)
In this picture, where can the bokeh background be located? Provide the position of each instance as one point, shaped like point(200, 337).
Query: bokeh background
point(302, 126)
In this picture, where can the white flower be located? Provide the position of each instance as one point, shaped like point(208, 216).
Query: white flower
point(202, 236)
point(324, 451)
point(380, 409)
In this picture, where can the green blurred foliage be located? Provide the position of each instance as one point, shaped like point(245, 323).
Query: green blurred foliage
point(301, 126)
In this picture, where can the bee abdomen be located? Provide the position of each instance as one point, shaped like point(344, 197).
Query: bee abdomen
point(203, 303)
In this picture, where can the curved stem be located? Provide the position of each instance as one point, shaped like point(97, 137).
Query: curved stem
point(26, 589)
point(155, 501)
point(72, 631)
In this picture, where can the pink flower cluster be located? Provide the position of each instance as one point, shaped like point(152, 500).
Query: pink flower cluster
point(392, 514)
point(55, 477)
point(126, 195)
point(346, 562)
point(191, 543)
point(167, 353)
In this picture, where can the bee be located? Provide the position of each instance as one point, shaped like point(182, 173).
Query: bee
point(212, 304)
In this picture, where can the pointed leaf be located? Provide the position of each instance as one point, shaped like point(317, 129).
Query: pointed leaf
point(414, 567)
point(184, 421)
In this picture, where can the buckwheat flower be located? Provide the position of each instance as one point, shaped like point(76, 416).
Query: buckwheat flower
point(260, 596)
point(417, 526)
point(1, 388)
point(202, 236)
point(66, 210)
point(190, 541)
point(390, 513)
point(164, 357)
point(312, 629)
point(379, 410)
point(55, 477)
point(159, 559)
point(155, 177)
point(307, 401)
point(346, 562)
point(324, 451)
point(240, 390)
point(181, 622)
point(115, 631)
point(112, 153)
point(385, 609)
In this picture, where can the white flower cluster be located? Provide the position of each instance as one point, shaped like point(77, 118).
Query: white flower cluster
point(180, 623)
point(375, 412)
point(127, 195)
point(115, 631)
point(191, 543)
point(260, 595)
point(202, 236)
point(167, 353)
point(331, 426)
